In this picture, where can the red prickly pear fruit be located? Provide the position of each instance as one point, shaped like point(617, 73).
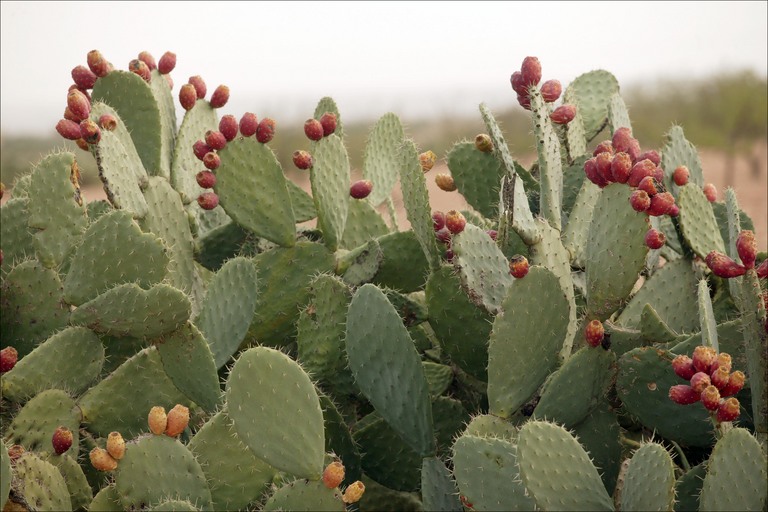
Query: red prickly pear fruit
point(455, 222)
point(634, 150)
point(97, 63)
point(594, 332)
point(711, 192)
point(710, 397)
point(551, 90)
point(167, 63)
point(517, 84)
point(518, 266)
point(208, 200)
point(735, 383)
point(438, 220)
point(85, 92)
point(302, 159)
point(449, 255)
point(215, 139)
point(563, 114)
point(78, 104)
point(353, 492)
point(658, 174)
point(211, 161)
point(683, 394)
point(313, 129)
point(621, 167)
point(723, 266)
point(493, 234)
point(220, 96)
point(746, 245)
point(102, 460)
point(674, 211)
point(265, 131)
point(328, 122)
point(531, 71)
point(621, 138)
point(762, 270)
point(703, 357)
point(729, 409)
point(443, 235)
point(445, 182)
point(651, 155)
point(157, 419)
point(70, 130)
point(248, 124)
point(720, 378)
point(15, 451)
point(333, 475)
point(699, 381)
point(148, 59)
point(604, 162)
point(8, 358)
point(650, 185)
point(655, 239)
point(680, 176)
point(723, 360)
point(83, 77)
point(200, 148)
point(640, 170)
point(90, 131)
point(427, 160)
point(603, 147)
point(360, 189)
point(483, 142)
point(661, 204)
point(82, 144)
point(590, 169)
point(206, 179)
point(69, 116)
point(524, 101)
point(228, 127)
point(116, 445)
point(108, 122)
point(141, 69)
point(683, 367)
point(61, 440)
point(199, 85)
point(178, 419)
point(187, 96)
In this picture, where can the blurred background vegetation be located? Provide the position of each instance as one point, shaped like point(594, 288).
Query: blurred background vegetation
point(727, 112)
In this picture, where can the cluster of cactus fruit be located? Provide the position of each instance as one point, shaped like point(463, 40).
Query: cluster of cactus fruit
point(523, 354)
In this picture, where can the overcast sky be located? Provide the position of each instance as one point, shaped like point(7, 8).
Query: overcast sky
point(413, 58)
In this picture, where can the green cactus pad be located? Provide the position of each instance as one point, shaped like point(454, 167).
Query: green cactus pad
point(283, 425)
point(707, 317)
point(121, 401)
point(155, 468)
point(487, 425)
point(80, 492)
point(98, 208)
point(18, 238)
point(674, 303)
point(461, 327)
point(618, 117)
point(284, 278)
point(697, 221)
point(123, 311)
point(36, 422)
point(401, 250)
point(599, 434)
point(649, 483)
point(70, 359)
point(217, 245)
point(576, 234)
point(114, 251)
point(557, 471)
point(616, 251)
point(483, 268)
point(198, 120)
point(645, 376)
point(339, 441)
point(33, 307)
point(501, 151)
point(252, 190)
point(730, 218)
point(487, 474)
point(321, 330)
point(477, 176)
point(592, 93)
point(688, 488)
point(302, 203)
point(676, 152)
point(576, 137)
point(380, 162)
point(381, 355)
point(175, 506)
point(5, 474)
point(56, 211)
point(438, 490)
point(378, 497)
point(305, 495)
point(736, 476)
point(228, 308)
point(363, 224)
point(167, 219)
point(754, 342)
point(235, 475)
point(106, 500)
point(573, 182)
point(577, 387)
point(161, 90)
point(360, 265)
point(523, 349)
point(550, 164)
point(439, 377)
point(515, 213)
point(327, 104)
point(40, 484)
point(133, 99)
point(329, 176)
point(653, 328)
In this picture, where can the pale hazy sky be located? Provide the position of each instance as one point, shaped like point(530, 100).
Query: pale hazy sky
point(413, 58)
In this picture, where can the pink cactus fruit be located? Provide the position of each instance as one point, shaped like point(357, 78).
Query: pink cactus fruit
point(655, 239)
point(302, 159)
point(680, 175)
point(215, 139)
point(604, 163)
point(443, 235)
point(148, 59)
point(735, 383)
point(97, 63)
point(746, 246)
point(248, 124)
point(438, 220)
point(206, 179)
point(621, 167)
point(199, 84)
point(551, 90)
point(699, 381)
point(640, 170)
point(710, 397)
point(531, 71)
point(8, 358)
point(650, 185)
point(200, 148)
point(167, 63)
point(728, 409)
point(83, 77)
point(211, 161)
point(140, 68)
point(710, 191)
point(328, 122)
point(723, 266)
point(703, 357)
point(70, 130)
point(524, 101)
point(683, 394)
point(517, 84)
point(590, 169)
point(651, 155)
point(661, 204)
point(187, 96)
point(208, 200)
point(455, 222)
point(563, 114)
point(603, 147)
point(78, 104)
point(360, 189)
point(621, 139)
point(683, 367)
point(519, 266)
point(108, 122)
point(594, 332)
point(228, 127)
point(265, 131)
point(313, 129)
point(220, 96)
point(61, 440)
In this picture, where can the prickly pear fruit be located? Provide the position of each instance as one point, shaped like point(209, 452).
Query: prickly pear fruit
point(640, 170)
point(115, 445)
point(445, 182)
point(302, 159)
point(723, 266)
point(167, 63)
point(83, 77)
point(8, 358)
point(228, 127)
point(655, 239)
point(762, 270)
point(483, 142)
point(723, 360)
point(148, 59)
point(187, 96)
point(438, 220)
point(265, 131)
point(661, 204)
point(360, 189)
point(563, 114)
point(518, 266)
point(680, 175)
point(199, 84)
point(735, 383)
point(353, 493)
point(590, 169)
point(455, 222)
point(711, 192)
point(313, 129)
point(650, 185)
point(211, 160)
point(70, 130)
point(157, 419)
point(683, 394)
point(443, 235)
point(220, 96)
point(703, 357)
point(178, 419)
point(108, 122)
point(90, 131)
point(200, 148)
point(551, 90)
point(215, 139)
point(683, 367)
point(82, 144)
point(621, 167)
point(720, 378)
point(603, 147)
point(427, 160)
point(699, 381)
point(524, 101)
point(208, 200)
point(621, 139)
point(328, 122)
point(15, 451)
point(594, 333)
point(604, 162)
point(248, 124)
point(746, 245)
point(333, 475)
point(728, 409)
point(140, 68)
point(97, 63)
point(61, 440)
point(517, 84)
point(78, 104)
point(102, 460)
point(531, 71)
point(493, 234)
point(710, 397)
point(206, 179)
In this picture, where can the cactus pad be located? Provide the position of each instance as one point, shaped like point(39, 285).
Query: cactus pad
point(697, 221)
point(41, 484)
point(592, 93)
point(18, 238)
point(329, 176)
point(380, 162)
point(676, 152)
point(35, 423)
point(477, 176)
point(649, 483)
point(438, 490)
point(305, 495)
